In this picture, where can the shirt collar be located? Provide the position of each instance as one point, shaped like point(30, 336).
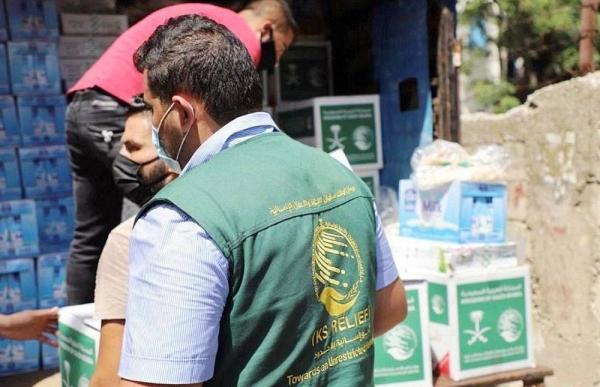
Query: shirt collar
point(236, 131)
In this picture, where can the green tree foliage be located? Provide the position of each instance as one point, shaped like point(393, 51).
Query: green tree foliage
point(542, 36)
point(499, 96)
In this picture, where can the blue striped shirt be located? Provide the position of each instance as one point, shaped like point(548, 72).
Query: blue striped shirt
point(178, 289)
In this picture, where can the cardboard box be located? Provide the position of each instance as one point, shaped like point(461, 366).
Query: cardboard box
point(32, 19)
point(443, 257)
point(86, 47)
point(403, 355)
point(17, 285)
point(19, 356)
point(51, 270)
point(75, 6)
point(462, 212)
point(56, 223)
point(4, 74)
point(50, 357)
point(480, 323)
point(10, 179)
point(18, 229)
point(51, 279)
point(78, 344)
point(34, 67)
point(73, 69)
point(3, 25)
point(45, 171)
point(351, 123)
point(42, 119)
point(10, 129)
point(305, 71)
point(93, 24)
point(68, 83)
point(371, 179)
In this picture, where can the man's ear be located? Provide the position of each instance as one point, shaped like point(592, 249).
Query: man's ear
point(185, 109)
point(266, 30)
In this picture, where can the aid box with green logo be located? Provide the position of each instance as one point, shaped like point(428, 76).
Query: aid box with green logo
point(402, 355)
point(350, 123)
point(480, 323)
point(78, 344)
point(371, 179)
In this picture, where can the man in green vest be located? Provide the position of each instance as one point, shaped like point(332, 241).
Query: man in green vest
point(264, 263)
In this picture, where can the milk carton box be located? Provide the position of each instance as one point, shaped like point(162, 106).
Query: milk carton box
point(10, 129)
point(403, 355)
point(51, 279)
point(45, 171)
point(462, 212)
point(51, 276)
point(50, 357)
point(18, 230)
point(17, 285)
point(4, 73)
point(19, 356)
point(78, 344)
point(42, 119)
point(34, 67)
point(56, 223)
point(32, 19)
point(3, 26)
point(10, 179)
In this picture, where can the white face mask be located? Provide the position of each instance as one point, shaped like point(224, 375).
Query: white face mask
point(173, 164)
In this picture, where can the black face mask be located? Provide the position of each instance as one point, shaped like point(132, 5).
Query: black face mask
point(268, 55)
point(125, 174)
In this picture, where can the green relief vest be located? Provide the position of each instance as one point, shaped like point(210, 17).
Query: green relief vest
point(300, 241)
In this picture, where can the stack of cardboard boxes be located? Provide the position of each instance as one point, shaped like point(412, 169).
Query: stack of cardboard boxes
point(349, 123)
point(403, 354)
point(478, 297)
point(36, 207)
point(306, 111)
point(85, 36)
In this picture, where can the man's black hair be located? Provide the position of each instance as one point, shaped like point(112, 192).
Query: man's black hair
point(195, 55)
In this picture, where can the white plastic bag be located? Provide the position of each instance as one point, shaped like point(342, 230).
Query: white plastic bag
point(442, 162)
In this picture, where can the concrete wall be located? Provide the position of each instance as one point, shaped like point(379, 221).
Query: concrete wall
point(554, 212)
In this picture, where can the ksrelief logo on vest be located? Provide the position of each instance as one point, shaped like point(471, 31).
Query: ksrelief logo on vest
point(336, 267)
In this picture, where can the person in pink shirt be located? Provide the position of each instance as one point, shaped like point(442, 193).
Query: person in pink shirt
point(98, 106)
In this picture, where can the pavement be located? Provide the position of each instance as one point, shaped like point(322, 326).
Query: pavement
point(34, 379)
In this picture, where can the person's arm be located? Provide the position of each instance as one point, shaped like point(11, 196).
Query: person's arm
point(31, 325)
point(390, 304)
point(390, 307)
point(178, 286)
point(110, 304)
point(109, 354)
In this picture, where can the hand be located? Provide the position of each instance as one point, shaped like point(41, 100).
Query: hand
point(31, 325)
